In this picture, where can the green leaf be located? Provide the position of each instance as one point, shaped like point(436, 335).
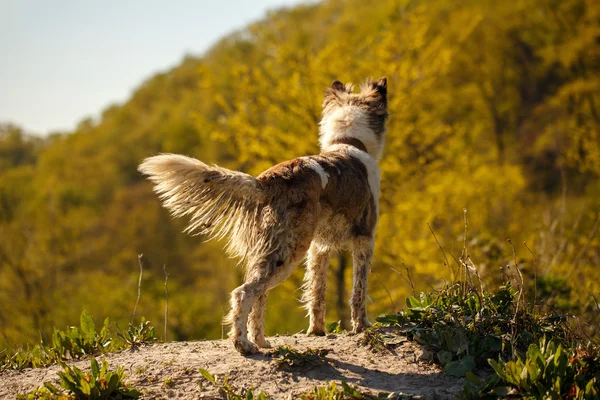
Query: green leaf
point(51, 388)
point(389, 319)
point(113, 383)
point(104, 367)
point(501, 391)
point(350, 391)
point(474, 379)
point(88, 327)
point(461, 367)
point(413, 302)
point(445, 357)
point(95, 368)
point(207, 375)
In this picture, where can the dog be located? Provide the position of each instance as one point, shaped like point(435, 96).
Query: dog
point(302, 208)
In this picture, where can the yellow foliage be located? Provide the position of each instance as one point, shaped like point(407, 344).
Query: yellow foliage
point(494, 108)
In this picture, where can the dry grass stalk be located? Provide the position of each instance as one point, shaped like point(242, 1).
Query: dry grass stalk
point(167, 300)
point(139, 287)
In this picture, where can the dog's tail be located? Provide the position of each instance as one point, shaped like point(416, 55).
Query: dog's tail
point(219, 202)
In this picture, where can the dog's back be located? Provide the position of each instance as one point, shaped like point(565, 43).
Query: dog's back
point(334, 185)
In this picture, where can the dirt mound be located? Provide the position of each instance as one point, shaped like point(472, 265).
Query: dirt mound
point(170, 370)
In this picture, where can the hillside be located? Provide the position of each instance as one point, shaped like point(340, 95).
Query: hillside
point(170, 370)
point(494, 108)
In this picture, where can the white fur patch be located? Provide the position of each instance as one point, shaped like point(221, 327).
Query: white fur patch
point(353, 122)
point(373, 174)
point(315, 166)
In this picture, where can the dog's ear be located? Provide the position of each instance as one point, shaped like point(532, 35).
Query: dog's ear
point(339, 86)
point(381, 86)
point(375, 95)
point(333, 93)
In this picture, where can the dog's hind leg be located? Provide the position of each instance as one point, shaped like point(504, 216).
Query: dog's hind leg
point(256, 322)
point(242, 300)
point(261, 277)
point(314, 288)
point(362, 252)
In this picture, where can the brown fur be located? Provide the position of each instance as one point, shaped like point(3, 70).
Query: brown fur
point(313, 205)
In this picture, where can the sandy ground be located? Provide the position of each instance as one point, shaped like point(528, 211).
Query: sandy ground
point(170, 370)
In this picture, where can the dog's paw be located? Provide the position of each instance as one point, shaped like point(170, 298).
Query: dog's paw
point(313, 331)
point(262, 343)
point(244, 346)
point(361, 326)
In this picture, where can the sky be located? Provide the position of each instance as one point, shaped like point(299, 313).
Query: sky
point(64, 60)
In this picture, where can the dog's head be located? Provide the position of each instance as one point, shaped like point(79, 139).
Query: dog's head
point(358, 116)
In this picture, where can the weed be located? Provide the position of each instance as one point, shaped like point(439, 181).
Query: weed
point(228, 392)
point(380, 339)
point(335, 327)
point(549, 371)
point(137, 336)
point(76, 343)
point(98, 384)
point(346, 392)
point(79, 342)
point(169, 382)
point(465, 328)
point(140, 369)
point(290, 358)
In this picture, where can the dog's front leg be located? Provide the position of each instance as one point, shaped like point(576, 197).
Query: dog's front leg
point(314, 288)
point(362, 252)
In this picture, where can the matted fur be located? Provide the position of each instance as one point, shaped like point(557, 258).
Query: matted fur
point(309, 205)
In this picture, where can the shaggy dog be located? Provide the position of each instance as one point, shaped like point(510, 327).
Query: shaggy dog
point(315, 204)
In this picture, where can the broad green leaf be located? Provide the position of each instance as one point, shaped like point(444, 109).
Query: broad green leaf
point(88, 327)
point(461, 367)
point(445, 357)
point(501, 391)
point(474, 379)
point(113, 383)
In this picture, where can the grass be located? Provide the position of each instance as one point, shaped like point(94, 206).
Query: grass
point(75, 343)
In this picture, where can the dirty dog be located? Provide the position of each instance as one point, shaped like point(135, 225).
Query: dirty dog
point(314, 204)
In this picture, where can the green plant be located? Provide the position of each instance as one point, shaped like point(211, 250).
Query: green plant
point(98, 384)
point(549, 371)
point(465, 327)
point(380, 339)
point(139, 335)
point(288, 357)
point(169, 382)
point(41, 393)
point(78, 342)
point(335, 327)
point(72, 343)
point(34, 357)
point(228, 392)
point(345, 392)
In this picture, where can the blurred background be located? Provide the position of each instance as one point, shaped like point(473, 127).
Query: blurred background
point(495, 108)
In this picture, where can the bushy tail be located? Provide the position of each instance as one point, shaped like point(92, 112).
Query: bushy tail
point(219, 202)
